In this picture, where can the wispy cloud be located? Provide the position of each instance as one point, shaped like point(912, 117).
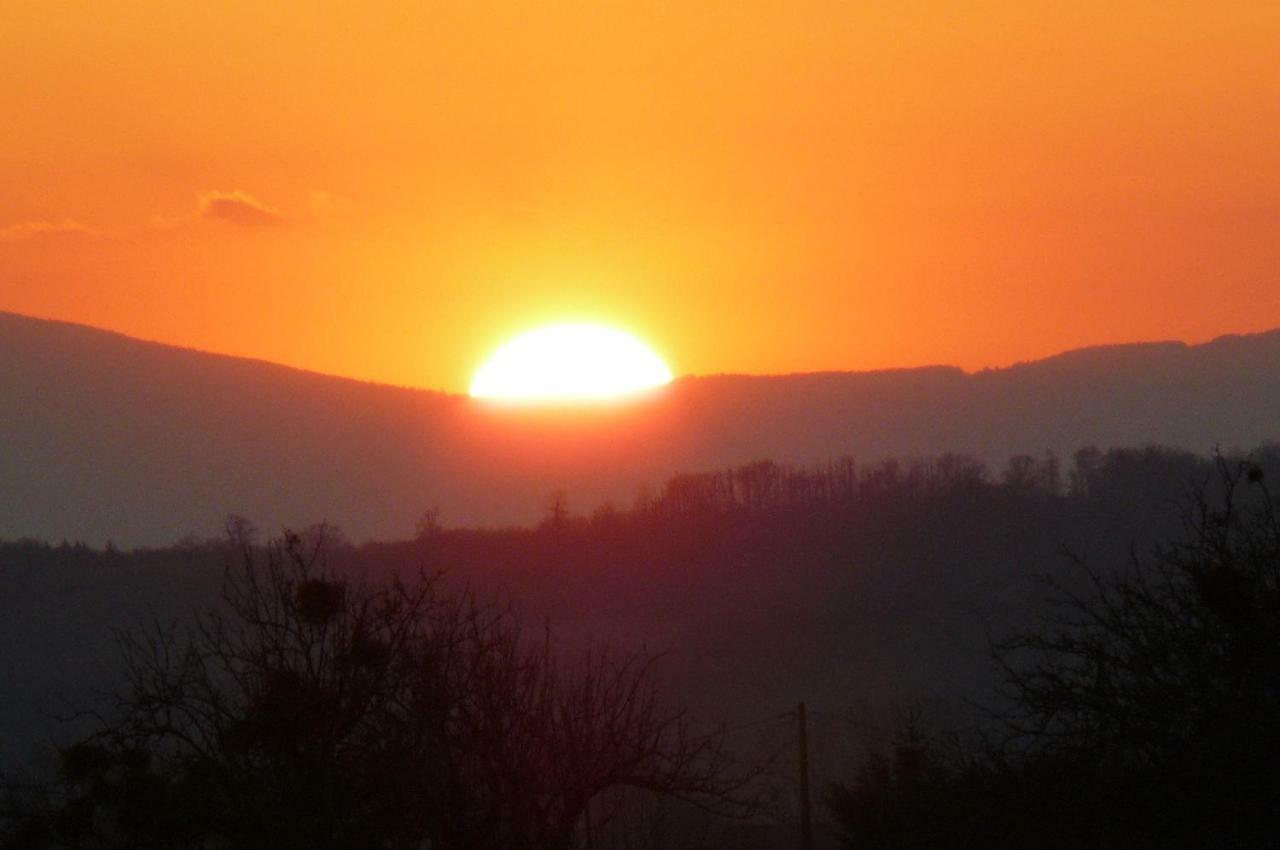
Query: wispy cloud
point(239, 208)
point(23, 231)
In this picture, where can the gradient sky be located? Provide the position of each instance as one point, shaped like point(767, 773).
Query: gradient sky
point(388, 190)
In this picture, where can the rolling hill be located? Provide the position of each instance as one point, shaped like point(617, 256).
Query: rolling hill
point(107, 437)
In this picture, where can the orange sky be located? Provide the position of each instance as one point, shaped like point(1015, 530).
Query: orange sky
point(389, 189)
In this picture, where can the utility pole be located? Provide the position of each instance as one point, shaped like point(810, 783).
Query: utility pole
point(806, 823)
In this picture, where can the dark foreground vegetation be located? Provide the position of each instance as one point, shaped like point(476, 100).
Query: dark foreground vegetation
point(1143, 710)
point(323, 712)
point(347, 696)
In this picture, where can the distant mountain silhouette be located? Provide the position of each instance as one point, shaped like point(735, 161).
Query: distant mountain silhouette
point(106, 437)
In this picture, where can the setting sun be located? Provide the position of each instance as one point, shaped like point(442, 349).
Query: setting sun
point(569, 362)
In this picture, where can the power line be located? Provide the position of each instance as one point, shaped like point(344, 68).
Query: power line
point(786, 715)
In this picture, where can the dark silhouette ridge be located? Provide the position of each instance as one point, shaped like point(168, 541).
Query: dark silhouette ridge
point(845, 585)
point(847, 582)
point(108, 437)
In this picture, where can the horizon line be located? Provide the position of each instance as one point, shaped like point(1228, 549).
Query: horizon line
point(677, 379)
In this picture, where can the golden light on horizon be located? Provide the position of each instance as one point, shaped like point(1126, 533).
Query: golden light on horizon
point(569, 363)
point(779, 186)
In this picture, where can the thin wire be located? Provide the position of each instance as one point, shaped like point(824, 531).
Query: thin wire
point(786, 715)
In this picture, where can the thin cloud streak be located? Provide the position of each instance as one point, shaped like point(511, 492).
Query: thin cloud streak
point(239, 208)
point(24, 231)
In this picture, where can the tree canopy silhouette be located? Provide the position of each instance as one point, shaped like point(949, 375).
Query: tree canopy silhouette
point(1143, 710)
point(316, 710)
point(1161, 683)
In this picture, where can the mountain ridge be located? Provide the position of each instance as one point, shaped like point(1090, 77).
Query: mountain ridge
point(9, 320)
point(111, 437)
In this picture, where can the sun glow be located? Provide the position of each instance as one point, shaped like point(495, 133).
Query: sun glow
point(571, 362)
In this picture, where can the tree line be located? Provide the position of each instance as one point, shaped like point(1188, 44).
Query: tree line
point(346, 696)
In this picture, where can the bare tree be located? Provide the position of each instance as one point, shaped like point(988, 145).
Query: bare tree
point(318, 710)
point(1161, 683)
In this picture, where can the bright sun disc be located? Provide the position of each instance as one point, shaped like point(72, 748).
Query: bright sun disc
point(569, 363)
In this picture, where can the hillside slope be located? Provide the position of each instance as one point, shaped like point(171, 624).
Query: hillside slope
point(106, 437)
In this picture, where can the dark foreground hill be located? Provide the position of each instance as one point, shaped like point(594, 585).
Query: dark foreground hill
point(103, 437)
point(856, 588)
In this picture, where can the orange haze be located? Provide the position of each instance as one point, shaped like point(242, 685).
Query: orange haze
point(388, 190)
